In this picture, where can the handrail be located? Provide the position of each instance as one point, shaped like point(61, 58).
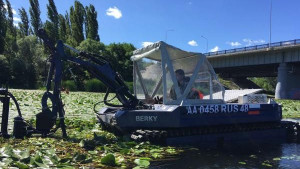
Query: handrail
point(256, 47)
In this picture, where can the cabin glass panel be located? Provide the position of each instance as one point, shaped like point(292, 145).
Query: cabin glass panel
point(148, 79)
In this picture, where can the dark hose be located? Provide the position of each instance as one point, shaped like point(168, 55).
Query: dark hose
point(16, 103)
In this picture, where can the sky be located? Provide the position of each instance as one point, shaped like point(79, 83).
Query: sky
point(191, 25)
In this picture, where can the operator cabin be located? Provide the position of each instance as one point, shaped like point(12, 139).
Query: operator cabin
point(179, 77)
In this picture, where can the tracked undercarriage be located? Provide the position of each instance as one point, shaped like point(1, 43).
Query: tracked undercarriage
point(286, 130)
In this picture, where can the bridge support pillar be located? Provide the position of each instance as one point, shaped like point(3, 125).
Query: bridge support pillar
point(288, 82)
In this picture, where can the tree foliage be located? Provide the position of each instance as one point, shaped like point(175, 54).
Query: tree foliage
point(49, 28)
point(62, 32)
point(24, 24)
point(77, 16)
point(2, 26)
point(91, 46)
point(31, 54)
point(54, 20)
point(4, 69)
point(24, 60)
point(10, 38)
point(10, 18)
point(92, 23)
point(119, 54)
point(68, 24)
point(35, 13)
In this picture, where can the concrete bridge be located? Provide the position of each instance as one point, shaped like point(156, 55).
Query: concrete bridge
point(280, 59)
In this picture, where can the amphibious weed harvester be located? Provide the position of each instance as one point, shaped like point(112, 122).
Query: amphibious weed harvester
point(197, 114)
point(186, 119)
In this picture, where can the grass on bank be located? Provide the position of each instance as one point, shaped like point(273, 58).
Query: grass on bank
point(290, 108)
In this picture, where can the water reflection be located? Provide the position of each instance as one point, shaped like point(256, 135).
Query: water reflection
point(286, 155)
point(269, 154)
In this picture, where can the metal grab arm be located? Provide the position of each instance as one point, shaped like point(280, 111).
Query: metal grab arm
point(103, 71)
point(99, 67)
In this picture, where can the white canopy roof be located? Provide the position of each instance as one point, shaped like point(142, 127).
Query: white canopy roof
point(153, 52)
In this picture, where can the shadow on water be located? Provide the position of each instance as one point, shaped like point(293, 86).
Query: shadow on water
point(273, 155)
point(266, 152)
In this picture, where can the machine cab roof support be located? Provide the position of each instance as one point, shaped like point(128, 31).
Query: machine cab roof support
point(154, 75)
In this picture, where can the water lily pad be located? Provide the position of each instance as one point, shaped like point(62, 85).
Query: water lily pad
point(80, 157)
point(109, 159)
point(21, 165)
point(142, 162)
point(156, 155)
point(276, 159)
point(125, 151)
point(267, 165)
point(7, 161)
point(242, 162)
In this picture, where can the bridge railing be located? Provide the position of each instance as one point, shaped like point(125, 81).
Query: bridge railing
point(256, 47)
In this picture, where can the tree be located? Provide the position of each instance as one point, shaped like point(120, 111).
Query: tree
point(92, 23)
point(119, 56)
point(68, 24)
point(31, 76)
point(49, 28)
point(24, 24)
point(35, 13)
point(10, 19)
point(32, 54)
point(91, 46)
point(10, 38)
point(62, 28)
point(2, 26)
point(53, 16)
point(4, 69)
point(77, 16)
point(69, 38)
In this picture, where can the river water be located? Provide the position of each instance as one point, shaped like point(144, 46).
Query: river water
point(268, 155)
point(286, 155)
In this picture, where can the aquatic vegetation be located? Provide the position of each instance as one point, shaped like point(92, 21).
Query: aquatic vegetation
point(87, 145)
point(290, 108)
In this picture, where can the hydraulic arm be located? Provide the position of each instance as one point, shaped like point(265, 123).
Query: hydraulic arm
point(98, 66)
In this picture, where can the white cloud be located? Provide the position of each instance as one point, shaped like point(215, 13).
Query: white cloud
point(193, 43)
point(250, 42)
point(16, 19)
point(144, 44)
point(234, 44)
point(12, 9)
point(16, 24)
point(215, 49)
point(115, 12)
